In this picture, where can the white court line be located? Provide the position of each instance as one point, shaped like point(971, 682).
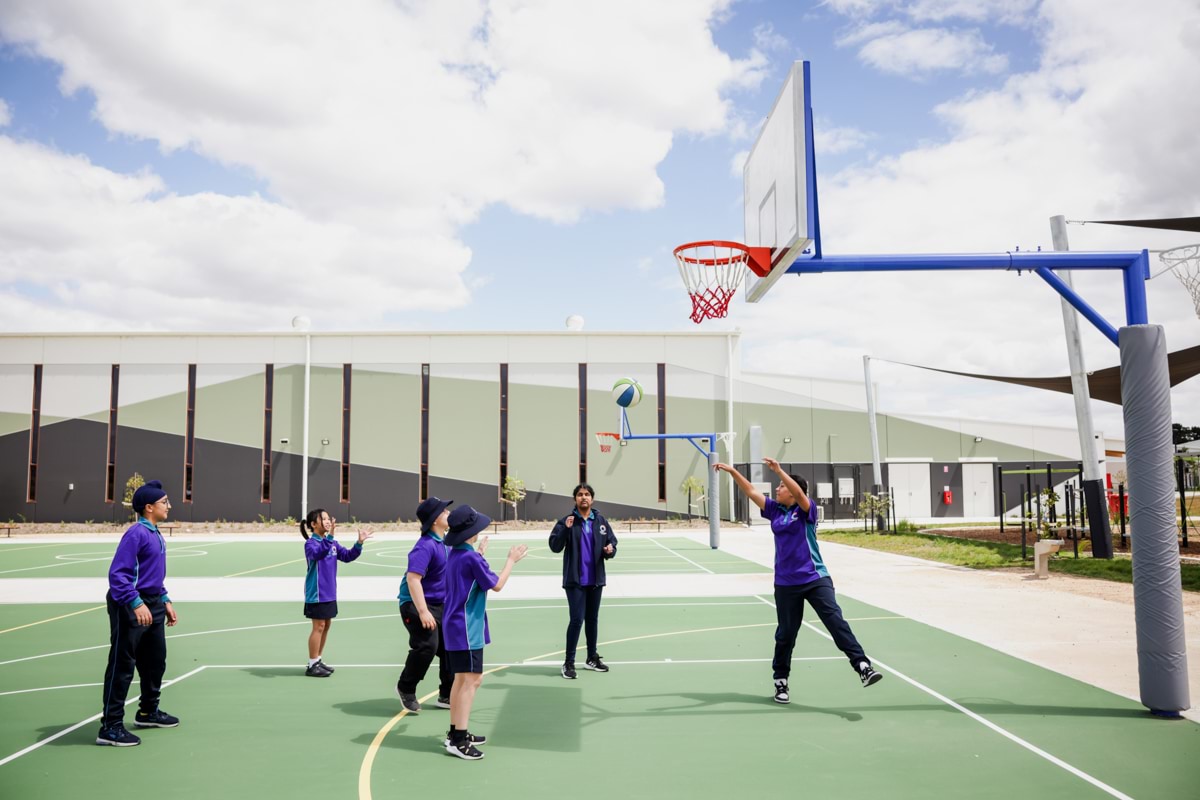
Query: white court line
point(50, 688)
point(685, 558)
point(64, 563)
point(557, 664)
point(1058, 762)
point(354, 619)
point(92, 718)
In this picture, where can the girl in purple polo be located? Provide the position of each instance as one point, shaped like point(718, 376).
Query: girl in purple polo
point(323, 553)
point(800, 575)
point(464, 622)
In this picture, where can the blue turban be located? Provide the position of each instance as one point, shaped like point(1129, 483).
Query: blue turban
point(150, 492)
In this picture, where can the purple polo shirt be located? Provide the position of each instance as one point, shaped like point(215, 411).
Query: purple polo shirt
point(323, 554)
point(464, 618)
point(587, 554)
point(139, 565)
point(794, 565)
point(428, 559)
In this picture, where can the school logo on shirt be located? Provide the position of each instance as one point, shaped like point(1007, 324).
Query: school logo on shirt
point(603, 529)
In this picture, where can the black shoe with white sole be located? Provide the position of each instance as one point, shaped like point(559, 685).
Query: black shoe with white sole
point(117, 736)
point(464, 750)
point(594, 663)
point(867, 675)
point(568, 670)
point(781, 691)
point(471, 738)
point(155, 719)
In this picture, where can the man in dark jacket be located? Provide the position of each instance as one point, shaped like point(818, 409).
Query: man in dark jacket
point(586, 541)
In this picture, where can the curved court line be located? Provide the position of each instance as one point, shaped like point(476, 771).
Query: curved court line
point(260, 569)
point(364, 772)
point(52, 619)
point(50, 688)
point(1055, 760)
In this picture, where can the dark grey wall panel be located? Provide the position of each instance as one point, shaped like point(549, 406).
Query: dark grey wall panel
point(74, 452)
point(14, 464)
point(481, 497)
point(323, 489)
point(383, 495)
point(941, 475)
point(157, 457)
point(225, 483)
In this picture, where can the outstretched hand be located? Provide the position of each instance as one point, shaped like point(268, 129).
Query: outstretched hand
point(517, 553)
point(719, 467)
point(771, 463)
point(363, 535)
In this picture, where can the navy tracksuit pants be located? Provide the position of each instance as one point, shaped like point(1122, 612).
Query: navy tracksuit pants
point(133, 646)
point(789, 610)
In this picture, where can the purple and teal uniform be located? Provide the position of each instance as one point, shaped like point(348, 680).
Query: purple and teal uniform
point(801, 576)
point(323, 553)
point(797, 555)
point(427, 559)
point(468, 580)
point(139, 566)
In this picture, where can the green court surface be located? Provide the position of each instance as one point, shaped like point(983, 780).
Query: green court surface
point(231, 557)
point(685, 712)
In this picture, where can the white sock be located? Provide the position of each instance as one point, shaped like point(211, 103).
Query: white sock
point(312, 661)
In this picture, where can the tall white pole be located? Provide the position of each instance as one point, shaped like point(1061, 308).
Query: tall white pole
point(876, 472)
point(729, 419)
point(307, 390)
point(1093, 494)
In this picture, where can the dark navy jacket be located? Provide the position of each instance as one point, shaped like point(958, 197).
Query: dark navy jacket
point(567, 541)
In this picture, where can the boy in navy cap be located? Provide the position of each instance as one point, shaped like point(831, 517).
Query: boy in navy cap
point(465, 627)
point(139, 611)
point(422, 594)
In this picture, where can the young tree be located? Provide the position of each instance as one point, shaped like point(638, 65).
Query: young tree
point(513, 492)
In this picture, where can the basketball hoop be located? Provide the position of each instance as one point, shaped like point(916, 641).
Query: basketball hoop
point(607, 440)
point(713, 271)
point(1185, 263)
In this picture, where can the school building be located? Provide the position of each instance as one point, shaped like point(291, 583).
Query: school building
point(394, 417)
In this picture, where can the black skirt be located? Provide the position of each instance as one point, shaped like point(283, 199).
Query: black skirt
point(326, 610)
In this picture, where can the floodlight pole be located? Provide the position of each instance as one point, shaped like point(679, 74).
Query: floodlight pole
point(1097, 510)
point(307, 392)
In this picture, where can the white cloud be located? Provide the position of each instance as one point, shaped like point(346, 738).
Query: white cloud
point(832, 140)
point(1013, 12)
point(767, 39)
point(5, 114)
point(382, 129)
point(925, 50)
point(737, 164)
point(1104, 128)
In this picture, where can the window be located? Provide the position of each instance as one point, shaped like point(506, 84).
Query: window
point(35, 435)
point(503, 428)
point(424, 482)
point(662, 428)
point(189, 447)
point(583, 423)
point(110, 472)
point(347, 372)
point(268, 402)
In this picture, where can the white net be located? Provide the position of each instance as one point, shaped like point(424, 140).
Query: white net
point(607, 440)
point(712, 273)
point(1185, 263)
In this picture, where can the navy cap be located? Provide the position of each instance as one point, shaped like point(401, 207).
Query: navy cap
point(430, 509)
point(465, 522)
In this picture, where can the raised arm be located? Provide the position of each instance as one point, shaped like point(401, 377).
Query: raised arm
point(756, 497)
point(514, 555)
point(799, 494)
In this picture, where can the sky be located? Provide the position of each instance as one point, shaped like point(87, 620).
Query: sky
point(500, 165)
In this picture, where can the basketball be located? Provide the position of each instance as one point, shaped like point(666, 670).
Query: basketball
point(627, 392)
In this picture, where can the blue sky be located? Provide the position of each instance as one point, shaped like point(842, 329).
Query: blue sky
point(500, 165)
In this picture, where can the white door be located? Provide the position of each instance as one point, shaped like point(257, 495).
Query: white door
point(910, 486)
point(979, 493)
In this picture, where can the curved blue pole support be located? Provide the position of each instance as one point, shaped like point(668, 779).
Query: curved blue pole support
point(1136, 275)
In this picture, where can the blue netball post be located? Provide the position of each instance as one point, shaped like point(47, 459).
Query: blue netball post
point(627, 393)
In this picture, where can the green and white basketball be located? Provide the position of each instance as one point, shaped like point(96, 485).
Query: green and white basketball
point(627, 392)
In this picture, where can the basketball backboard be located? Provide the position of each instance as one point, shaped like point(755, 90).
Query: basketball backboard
point(780, 183)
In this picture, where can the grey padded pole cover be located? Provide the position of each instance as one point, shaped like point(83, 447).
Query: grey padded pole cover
point(1157, 594)
point(714, 504)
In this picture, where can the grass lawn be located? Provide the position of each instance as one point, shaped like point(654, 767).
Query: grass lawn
point(995, 555)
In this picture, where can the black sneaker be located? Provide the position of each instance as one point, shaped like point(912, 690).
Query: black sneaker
point(472, 738)
point(594, 663)
point(868, 675)
point(317, 670)
point(117, 736)
point(155, 719)
point(328, 668)
point(781, 691)
point(443, 702)
point(568, 670)
point(409, 701)
point(464, 749)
